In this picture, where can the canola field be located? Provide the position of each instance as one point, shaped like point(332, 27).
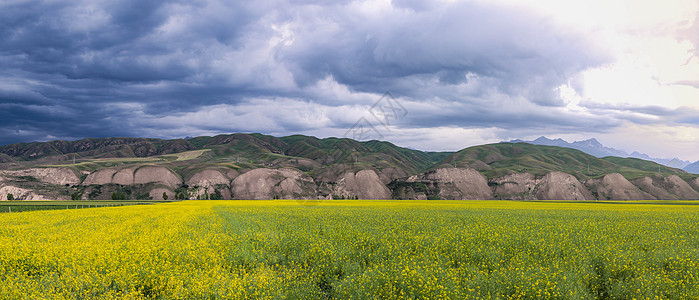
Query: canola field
point(353, 250)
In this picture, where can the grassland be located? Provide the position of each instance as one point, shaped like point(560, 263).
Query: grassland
point(95, 163)
point(354, 249)
point(182, 156)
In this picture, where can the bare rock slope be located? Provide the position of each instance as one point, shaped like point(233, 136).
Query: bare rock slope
point(18, 193)
point(667, 188)
point(208, 178)
point(211, 181)
point(562, 186)
point(456, 183)
point(389, 174)
point(131, 176)
point(364, 184)
point(273, 183)
point(695, 183)
point(100, 177)
point(516, 186)
point(58, 176)
point(615, 187)
point(680, 188)
point(155, 174)
point(123, 176)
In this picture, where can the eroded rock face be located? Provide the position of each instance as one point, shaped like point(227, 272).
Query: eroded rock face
point(100, 177)
point(364, 184)
point(615, 187)
point(59, 176)
point(680, 188)
point(562, 186)
point(654, 187)
point(210, 182)
point(457, 183)
point(155, 174)
point(262, 183)
point(694, 183)
point(517, 186)
point(389, 174)
point(208, 178)
point(667, 188)
point(123, 177)
point(18, 193)
point(131, 176)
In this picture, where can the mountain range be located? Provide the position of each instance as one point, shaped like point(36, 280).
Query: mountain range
point(594, 147)
point(257, 166)
point(692, 168)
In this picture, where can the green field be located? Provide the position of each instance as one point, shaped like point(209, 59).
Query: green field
point(24, 206)
point(354, 249)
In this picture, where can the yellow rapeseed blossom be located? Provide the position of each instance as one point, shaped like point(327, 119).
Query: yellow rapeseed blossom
point(353, 250)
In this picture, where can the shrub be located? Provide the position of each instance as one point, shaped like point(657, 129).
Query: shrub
point(120, 195)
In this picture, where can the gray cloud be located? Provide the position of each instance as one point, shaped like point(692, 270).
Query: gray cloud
point(75, 69)
point(645, 114)
point(525, 53)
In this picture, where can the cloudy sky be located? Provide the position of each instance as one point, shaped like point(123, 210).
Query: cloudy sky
point(459, 73)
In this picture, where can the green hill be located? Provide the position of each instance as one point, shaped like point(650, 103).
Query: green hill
point(495, 160)
point(242, 151)
point(224, 166)
point(234, 150)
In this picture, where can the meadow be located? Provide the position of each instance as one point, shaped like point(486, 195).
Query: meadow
point(353, 250)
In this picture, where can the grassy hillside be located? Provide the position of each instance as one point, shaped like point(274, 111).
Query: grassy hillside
point(317, 156)
point(293, 151)
point(103, 147)
point(644, 166)
point(495, 160)
point(232, 151)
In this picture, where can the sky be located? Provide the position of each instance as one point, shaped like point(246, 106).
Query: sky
point(429, 75)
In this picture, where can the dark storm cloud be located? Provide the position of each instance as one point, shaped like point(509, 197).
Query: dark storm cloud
point(53, 37)
point(525, 54)
point(78, 58)
point(73, 69)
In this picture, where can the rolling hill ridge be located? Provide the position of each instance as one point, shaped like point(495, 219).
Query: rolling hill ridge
point(256, 166)
point(595, 148)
